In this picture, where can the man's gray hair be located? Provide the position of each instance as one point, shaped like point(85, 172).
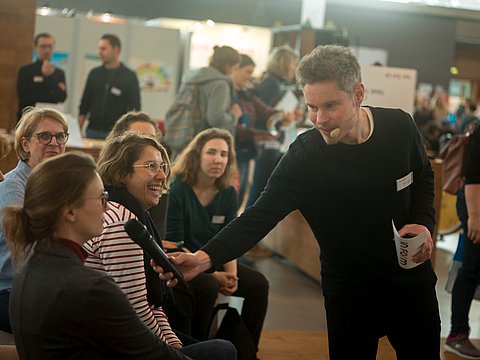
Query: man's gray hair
point(330, 63)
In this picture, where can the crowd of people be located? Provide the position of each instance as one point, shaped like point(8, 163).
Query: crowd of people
point(74, 284)
point(438, 124)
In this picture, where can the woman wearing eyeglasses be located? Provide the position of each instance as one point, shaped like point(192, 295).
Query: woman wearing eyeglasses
point(41, 133)
point(59, 308)
point(135, 171)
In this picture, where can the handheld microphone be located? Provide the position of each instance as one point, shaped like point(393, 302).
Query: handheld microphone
point(140, 235)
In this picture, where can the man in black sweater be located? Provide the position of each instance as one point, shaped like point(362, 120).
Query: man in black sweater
point(356, 171)
point(40, 81)
point(111, 91)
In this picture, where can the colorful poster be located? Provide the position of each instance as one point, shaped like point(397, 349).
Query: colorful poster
point(153, 76)
point(58, 58)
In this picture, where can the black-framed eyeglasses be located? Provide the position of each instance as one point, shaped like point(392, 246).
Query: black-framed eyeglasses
point(45, 138)
point(154, 168)
point(45, 46)
point(103, 197)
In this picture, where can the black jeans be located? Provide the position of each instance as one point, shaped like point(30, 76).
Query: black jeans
point(4, 318)
point(192, 313)
point(356, 320)
point(468, 276)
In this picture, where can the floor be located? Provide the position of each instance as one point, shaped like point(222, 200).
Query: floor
point(296, 301)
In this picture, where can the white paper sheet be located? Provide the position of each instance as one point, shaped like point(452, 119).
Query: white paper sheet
point(407, 248)
point(235, 302)
point(288, 102)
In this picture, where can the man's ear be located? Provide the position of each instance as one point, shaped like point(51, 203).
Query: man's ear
point(359, 94)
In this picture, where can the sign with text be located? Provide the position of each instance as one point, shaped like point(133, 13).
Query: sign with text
point(389, 87)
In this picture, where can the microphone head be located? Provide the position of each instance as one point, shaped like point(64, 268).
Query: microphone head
point(136, 230)
point(335, 132)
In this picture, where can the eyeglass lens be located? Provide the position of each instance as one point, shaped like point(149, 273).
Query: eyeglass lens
point(154, 167)
point(45, 138)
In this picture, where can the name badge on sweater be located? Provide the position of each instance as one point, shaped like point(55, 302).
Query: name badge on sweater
point(38, 79)
point(218, 219)
point(116, 91)
point(405, 181)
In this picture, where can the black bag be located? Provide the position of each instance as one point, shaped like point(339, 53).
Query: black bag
point(234, 330)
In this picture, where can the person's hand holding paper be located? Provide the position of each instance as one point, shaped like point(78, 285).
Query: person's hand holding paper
point(414, 245)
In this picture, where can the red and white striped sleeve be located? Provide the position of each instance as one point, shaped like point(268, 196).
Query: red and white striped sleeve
point(116, 254)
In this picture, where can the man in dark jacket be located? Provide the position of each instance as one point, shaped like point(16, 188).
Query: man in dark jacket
point(111, 91)
point(41, 81)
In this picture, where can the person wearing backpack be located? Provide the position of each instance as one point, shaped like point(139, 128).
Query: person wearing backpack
point(468, 208)
point(206, 99)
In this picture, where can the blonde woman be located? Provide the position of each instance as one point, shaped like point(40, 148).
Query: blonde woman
point(41, 134)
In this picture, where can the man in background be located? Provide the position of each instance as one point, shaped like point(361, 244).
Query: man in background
point(111, 91)
point(41, 81)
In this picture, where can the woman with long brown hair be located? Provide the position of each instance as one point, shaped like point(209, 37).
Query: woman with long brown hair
point(59, 308)
point(201, 203)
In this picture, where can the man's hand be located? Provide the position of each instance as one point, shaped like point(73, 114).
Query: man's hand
point(190, 265)
point(425, 251)
point(47, 68)
point(474, 229)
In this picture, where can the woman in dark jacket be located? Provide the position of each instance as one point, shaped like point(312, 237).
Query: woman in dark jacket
point(59, 309)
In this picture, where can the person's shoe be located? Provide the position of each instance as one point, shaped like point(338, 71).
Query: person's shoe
point(462, 346)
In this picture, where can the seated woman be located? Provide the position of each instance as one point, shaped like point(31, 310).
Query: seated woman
point(201, 203)
point(135, 170)
point(137, 122)
point(41, 134)
point(141, 123)
point(60, 309)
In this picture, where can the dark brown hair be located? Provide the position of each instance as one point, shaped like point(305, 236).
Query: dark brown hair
point(117, 157)
point(41, 35)
point(112, 39)
point(224, 56)
point(123, 124)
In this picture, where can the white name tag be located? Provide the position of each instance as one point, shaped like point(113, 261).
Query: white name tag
point(218, 219)
point(116, 91)
point(38, 79)
point(405, 181)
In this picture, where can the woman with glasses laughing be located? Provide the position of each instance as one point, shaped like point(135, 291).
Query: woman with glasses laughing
point(135, 170)
point(41, 133)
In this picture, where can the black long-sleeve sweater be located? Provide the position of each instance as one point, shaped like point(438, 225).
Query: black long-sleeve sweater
point(348, 195)
point(109, 94)
point(33, 86)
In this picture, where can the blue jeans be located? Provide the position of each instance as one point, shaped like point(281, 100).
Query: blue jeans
point(266, 161)
point(468, 276)
point(211, 350)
